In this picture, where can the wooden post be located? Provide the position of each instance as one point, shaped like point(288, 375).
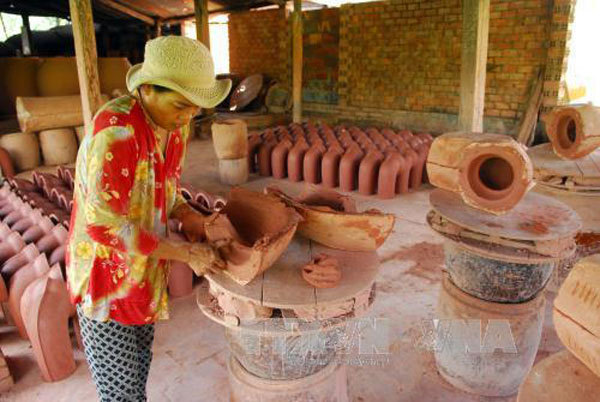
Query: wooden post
point(26, 42)
point(158, 28)
point(201, 14)
point(87, 58)
point(476, 19)
point(297, 61)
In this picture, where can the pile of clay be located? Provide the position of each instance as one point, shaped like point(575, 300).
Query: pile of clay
point(331, 219)
point(373, 161)
point(251, 232)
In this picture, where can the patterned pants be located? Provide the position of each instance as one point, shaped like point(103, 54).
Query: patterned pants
point(119, 357)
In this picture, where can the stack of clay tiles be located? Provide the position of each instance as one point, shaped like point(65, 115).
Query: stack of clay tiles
point(32, 258)
point(373, 161)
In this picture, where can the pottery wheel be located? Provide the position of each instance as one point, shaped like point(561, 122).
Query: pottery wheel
point(282, 286)
point(580, 175)
point(535, 218)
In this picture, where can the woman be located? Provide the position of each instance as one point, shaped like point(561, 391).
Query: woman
point(126, 189)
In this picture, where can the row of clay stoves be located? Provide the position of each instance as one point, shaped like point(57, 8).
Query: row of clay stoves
point(32, 254)
point(385, 162)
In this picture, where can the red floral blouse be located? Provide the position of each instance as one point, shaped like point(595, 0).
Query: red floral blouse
point(124, 193)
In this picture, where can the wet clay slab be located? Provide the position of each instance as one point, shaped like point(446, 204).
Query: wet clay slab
point(535, 218)
point(560, 377)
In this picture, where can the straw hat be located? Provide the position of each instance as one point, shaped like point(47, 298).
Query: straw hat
point(183, 65)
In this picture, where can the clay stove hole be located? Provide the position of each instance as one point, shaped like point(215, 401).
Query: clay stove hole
point(491, 177)
point(567, 132)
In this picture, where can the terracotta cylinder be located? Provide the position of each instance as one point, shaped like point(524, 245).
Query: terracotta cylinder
point(254, 141)
point(330, 166)
point(264, 157)
point(295, 160)
point(18, 261)
point(47, 112)
point(59, 146)
point(11, 246)
point(574, 131)
point(368, 172)
point(36, 232)
point(22, 278)
point(311, 169)
point(330, 384)
point(230, 138)
point(49, 242)
point(416, 177)
point(46, 309)
point(495, 280)
point(181, 276)
point(349, 165)
point(491, 172)
point(233, 172)
point(279, 158)
point(23, 148)
point(486, 348)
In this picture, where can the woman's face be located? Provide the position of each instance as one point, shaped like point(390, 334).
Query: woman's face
point(170, 110)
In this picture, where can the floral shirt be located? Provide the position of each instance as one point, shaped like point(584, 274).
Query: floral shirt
point(124, 193)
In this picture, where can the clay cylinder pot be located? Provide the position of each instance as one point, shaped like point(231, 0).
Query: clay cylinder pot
point(233, 172)
point(295, 160)
point(264, 156)
point(486, 348)
point(6, 165)
point(491, 172)
point(18, 261)
point(254, 141)
point(576, 312)
point(330, 166)
point(23, 148)
point(230, 138)
point(37, 231)
point(311, 169)
point(181, 276)
point(55, 238)
point(329, 384)
point(495, 280)
point(279, 158)
point(59, 146)
point(574, 131)
point(394, 175)
point(349, 165)
point(10, 246)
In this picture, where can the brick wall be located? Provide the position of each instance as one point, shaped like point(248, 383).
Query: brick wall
point(399, 62)
point(259, 42)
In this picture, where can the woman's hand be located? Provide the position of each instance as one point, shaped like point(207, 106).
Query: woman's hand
point(203, 258)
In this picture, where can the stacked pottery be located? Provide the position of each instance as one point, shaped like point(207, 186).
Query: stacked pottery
point(230, 140)
point(501, 247)
point(373, 161)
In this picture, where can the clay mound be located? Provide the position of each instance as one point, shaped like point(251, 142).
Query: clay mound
point(331, 219)
point(251, 232)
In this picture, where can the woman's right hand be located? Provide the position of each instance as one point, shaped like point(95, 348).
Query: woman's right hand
point(203, 258)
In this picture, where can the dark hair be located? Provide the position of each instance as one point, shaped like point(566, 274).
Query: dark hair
point(159, 89)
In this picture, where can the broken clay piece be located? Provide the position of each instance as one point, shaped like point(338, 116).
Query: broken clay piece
point(245, 311)
point(322, 272)
point(491, 172)
point(574, 131)
point(251, 232)
point(331, 219)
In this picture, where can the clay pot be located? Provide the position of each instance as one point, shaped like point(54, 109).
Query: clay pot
point(181, 276)
point(230, 139)
point(368, 172)
point(495, 280)
point(55, 238)
point(264, 156)
point(491, 172)
point(18, 261)
point(394, 174)
point(23, 148)
point(574, 131)
point(486, 348)
point(279, 158)
point(19, 282)
point(6, 165)
point(295, 160)
point(59, 146)
point(254, 142)
point(330, 166)
point(36, 232)
point(45, 308)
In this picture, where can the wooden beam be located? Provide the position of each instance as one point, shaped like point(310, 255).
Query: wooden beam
point(201, 16)
point(87, 59)
point(26, 43)
point(297, 61)
point(476, 21)
point(158, 28)
point(128, 11)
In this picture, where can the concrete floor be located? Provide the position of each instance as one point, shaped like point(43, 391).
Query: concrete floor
point(190, 352)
